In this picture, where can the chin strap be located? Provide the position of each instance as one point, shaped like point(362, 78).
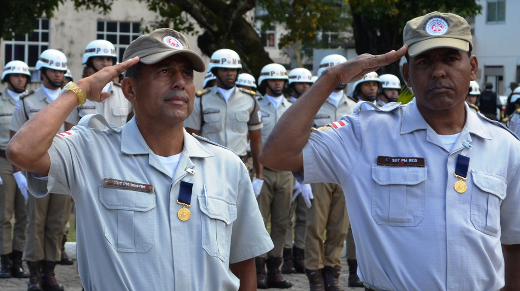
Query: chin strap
point(54, 84)
point(16, 90)
point(224, 85)
point(276, 92)
point(369, 98)
point(388, 98)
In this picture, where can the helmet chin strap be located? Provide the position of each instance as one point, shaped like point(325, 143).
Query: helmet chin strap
point(369, 98)
point(388, 98)
point(16, 90)
point(340, 87)
point(276, 93)
point(294, 88)
point(54, 84)
point(224, 85)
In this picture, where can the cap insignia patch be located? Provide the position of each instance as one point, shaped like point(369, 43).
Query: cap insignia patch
point(173, 42)
point(436, 26)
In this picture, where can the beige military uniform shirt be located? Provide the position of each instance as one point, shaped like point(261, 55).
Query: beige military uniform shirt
point(226, 123)
point(270, 115)
point(329, 113)
point(115, 108)
point(513, 121)
point(7, 105)
point(28, 105)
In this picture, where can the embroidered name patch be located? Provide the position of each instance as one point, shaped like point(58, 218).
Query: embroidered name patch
point(401, 161)
point(128, 185)
point(87, 107)
point(34, 110)
point(6, 114)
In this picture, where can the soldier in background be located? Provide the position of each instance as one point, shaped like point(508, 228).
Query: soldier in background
point(46, 215)
point(367, 88)
point(274, 199)
point(391, 88)
point(488, 102)
point(116, 109)
point(473, 95)
point(226, 114)
point(13, 186)
point(300, 80)
point(209, 80)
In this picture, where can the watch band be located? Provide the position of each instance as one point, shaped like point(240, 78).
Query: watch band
point(80, 94)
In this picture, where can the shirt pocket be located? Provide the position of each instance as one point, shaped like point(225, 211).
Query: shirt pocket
point(398, 195)
point(266, 118)
point(486, 199)
point(5, 121)
point(240, 122)
point(217, 222)
point(129, 219)
point(212, 121)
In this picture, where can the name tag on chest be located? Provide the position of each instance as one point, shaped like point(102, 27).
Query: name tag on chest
point(6, 114)
point(401, 161)
point(128, 185)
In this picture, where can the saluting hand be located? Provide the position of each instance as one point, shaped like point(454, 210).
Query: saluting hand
point(356, 68)
point(93, 84)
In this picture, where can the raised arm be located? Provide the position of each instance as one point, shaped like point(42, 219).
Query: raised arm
point(283, 148)
point(28, 148)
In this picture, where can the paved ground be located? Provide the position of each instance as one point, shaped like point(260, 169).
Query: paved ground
point(68, 276)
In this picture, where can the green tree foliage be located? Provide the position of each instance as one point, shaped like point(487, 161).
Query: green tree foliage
point(378, 24)
point(18, 16)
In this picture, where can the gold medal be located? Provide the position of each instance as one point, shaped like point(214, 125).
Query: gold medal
point(184, 214)
point(460, 186)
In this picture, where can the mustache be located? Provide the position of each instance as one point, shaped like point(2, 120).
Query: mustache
point(177, 94)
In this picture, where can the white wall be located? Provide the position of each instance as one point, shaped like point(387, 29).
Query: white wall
point(498, 44)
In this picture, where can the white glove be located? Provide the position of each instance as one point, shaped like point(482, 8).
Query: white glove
point(257, 186)
point(307, 194)
point(21, 181)
point(297, 190)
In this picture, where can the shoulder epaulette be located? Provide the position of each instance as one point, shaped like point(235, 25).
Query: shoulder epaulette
point(473, 105)
point(117, 84)
point(351, 98)
point(259, 98)
point(27, 94)
point(499, 124)
point(203, 92)
point(518, 110)
point(247, 91)
point(213, 143)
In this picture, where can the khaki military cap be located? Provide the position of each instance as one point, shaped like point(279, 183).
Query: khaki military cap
point(437, 30)
point(160, 44)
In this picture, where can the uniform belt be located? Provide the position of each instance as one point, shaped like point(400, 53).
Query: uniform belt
point(2, 154)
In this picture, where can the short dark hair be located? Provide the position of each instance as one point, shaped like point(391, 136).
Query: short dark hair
point(135, 71)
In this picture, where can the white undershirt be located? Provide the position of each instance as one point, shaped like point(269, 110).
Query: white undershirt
point(51, 94)
point(170, 163)
point(14, 95)
point(275, 101)
point(449, 140)
point(293, 99)
point(335, 97)
point(226, 93)
point(107, 87)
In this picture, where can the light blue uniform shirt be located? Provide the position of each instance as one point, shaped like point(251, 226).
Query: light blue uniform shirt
point(128, 239)
point(412, 230)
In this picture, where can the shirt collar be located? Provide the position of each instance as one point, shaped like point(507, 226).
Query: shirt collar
point(413, 120)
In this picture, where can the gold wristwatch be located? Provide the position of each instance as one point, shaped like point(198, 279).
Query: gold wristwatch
point(82, 96)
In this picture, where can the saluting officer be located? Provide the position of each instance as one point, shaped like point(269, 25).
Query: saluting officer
point(116, 109)
point(300, 80)
point(274, 199)
point(13, 186)
point(328, 211)
point(225, 114)
point(46, 215)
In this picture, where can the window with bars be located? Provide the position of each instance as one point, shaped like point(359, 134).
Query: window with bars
point(28, 47)
point(268, 37)
point(496, 11)
point(120, 34)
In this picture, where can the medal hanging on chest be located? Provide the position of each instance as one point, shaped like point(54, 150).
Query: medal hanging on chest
point(184, 199)
point(461, 172)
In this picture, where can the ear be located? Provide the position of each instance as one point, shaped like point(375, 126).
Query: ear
point(474, 67)
point(406, 74)
point(128, 87)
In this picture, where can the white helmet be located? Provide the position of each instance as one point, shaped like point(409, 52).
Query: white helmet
point(52, 59)
point(329, 61)
point(100, 48)
point(372, 76)
point(474, 88)
point(314, 78)
point(68, 74)
point(516, 95)
point(272, 72)
point(300, 75)
point(389, 81)
point(225, 58)
point(209, 77)
point(16, 67)
point(246, 80)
